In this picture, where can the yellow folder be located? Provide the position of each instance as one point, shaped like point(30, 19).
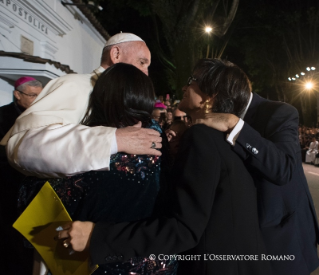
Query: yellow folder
point(38, 223)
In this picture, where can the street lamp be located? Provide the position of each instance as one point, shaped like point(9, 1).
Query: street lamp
point(308, 81)
point(208, 30)
point(308, 85)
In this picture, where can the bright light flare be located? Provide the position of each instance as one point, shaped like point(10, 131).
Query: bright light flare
point(208, 29)
point(309, 85)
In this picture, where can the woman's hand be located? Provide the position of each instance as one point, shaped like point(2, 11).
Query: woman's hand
point(77, 234)
point(170, 134)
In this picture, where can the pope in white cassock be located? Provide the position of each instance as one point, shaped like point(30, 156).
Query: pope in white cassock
point(47, 139)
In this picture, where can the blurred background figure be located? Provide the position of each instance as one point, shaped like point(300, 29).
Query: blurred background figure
point(179, 115)
point(169, 119)
point(12, 246)
point(178, 128)
point(159, 113)
point(161, 98)
point(167, 103)
point(313, 151)
point(26, 90)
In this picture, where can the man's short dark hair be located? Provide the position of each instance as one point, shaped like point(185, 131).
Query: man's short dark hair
point(226, 82)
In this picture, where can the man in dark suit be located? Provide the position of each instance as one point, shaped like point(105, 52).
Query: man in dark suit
point(267, 140)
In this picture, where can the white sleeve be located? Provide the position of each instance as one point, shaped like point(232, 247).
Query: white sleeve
point(61, 150)
point(232, 136)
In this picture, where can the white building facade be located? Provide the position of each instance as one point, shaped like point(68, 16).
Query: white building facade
point(45, 39)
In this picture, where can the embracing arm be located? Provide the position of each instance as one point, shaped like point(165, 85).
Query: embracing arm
point(274, 155)
point(60, 150)
point(65, 150)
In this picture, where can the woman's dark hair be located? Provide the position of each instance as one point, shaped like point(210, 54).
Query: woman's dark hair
point(226, 82)
point(122, 96)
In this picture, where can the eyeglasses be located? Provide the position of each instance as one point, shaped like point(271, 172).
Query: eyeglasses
point(190, 80)
point(32, 95)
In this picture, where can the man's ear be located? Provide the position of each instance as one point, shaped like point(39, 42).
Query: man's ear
point(16, 95)
point(115, 54)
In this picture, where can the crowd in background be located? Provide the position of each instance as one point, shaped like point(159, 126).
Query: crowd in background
point(309, 142)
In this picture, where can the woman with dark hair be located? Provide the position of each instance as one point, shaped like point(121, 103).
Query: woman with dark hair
point(221, 86)
point(122, 96)
point(213, 214)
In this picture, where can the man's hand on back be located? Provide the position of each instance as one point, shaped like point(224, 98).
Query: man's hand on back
point(138, 141)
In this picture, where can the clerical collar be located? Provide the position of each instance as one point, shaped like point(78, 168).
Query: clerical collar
point(19, 108)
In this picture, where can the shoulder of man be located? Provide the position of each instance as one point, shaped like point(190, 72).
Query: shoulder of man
point(7, 107)
point(277, 115)
point(278, 106)
point(68, 82)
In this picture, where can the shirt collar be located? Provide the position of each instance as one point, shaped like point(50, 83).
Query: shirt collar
point(244, 113)
point(99, 70)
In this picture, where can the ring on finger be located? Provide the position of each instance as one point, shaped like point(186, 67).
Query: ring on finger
point(153, 146)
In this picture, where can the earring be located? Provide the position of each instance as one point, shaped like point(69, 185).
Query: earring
point(208, 107)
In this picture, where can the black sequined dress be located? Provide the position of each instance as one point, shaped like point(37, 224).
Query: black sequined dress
point(127, 192)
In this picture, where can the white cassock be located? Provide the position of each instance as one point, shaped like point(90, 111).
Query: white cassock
point(312, 152)
point(47, 139)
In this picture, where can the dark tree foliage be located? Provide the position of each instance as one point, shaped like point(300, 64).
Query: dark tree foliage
point(174, 32)
point(273, 40)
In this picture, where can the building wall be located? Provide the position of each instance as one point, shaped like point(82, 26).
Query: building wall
point(47, 29)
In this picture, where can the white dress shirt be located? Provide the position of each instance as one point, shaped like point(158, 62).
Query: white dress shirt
point(232, 136)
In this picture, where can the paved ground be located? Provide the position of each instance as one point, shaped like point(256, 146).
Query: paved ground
point(312, 174)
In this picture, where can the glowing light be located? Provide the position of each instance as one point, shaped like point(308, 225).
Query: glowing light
point(302, 73)
point(309, 85)
point(308, 69)
point(297, 75)
point(313, 68)
point(289, 78)
point(293, 78)
point(208, 29)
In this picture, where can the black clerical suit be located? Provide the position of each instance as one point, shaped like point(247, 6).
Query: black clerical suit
point(8, 115)
point(213, 211)
point(269, 144)
point(11, 248)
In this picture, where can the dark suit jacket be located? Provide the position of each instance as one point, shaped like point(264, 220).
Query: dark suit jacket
point(214, 211)
point(12, 245)
point(270, 147)
point(8, 115)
